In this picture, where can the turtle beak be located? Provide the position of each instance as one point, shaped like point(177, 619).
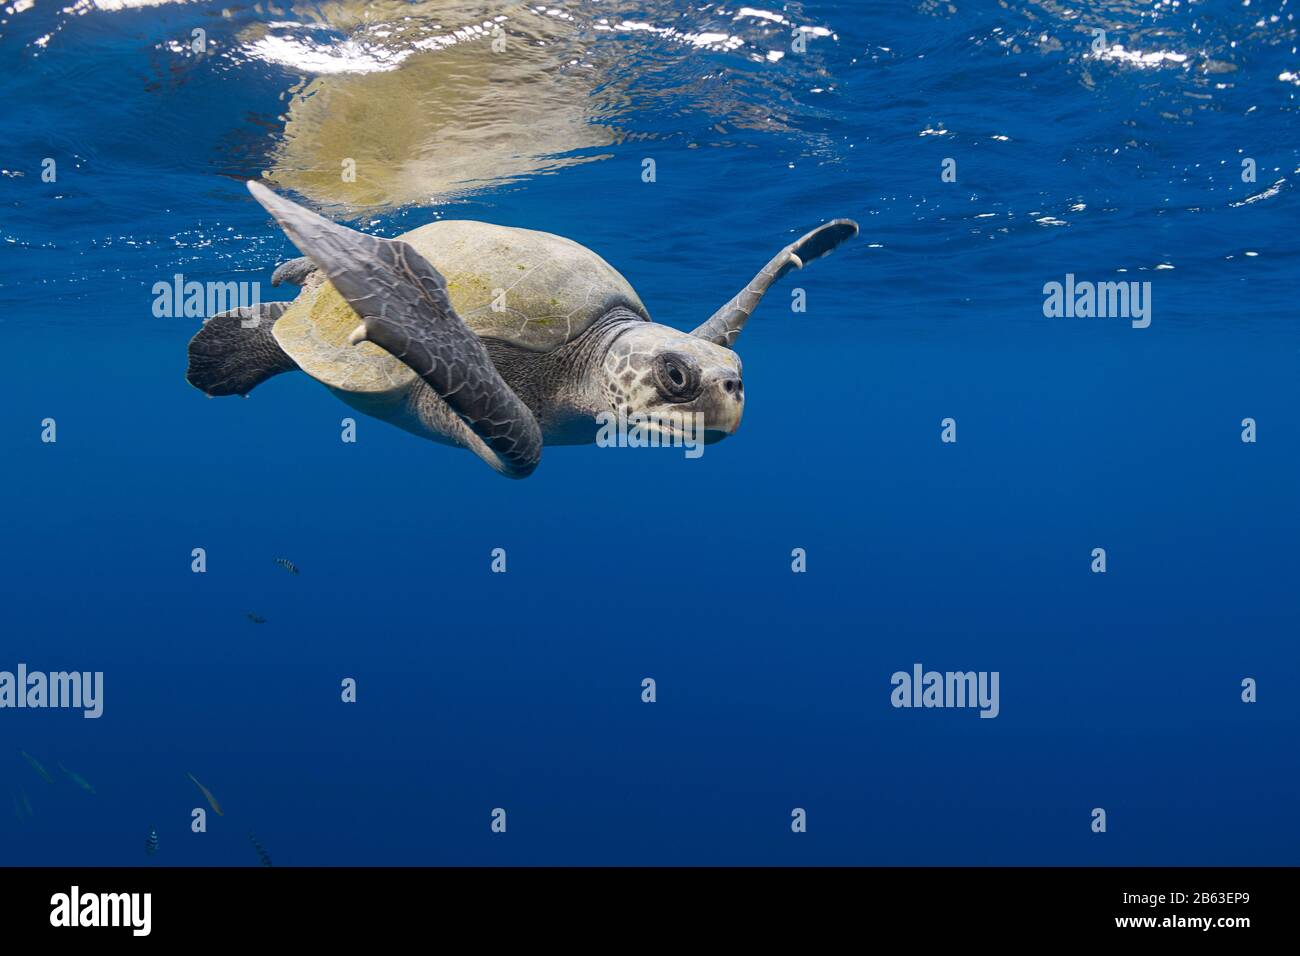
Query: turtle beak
point(723, 407)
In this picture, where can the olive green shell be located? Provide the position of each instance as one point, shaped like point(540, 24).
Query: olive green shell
point(548, 290)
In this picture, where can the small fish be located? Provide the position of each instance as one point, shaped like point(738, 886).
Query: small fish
point(261, 853)
point(207, 795)
point(27, 805)
point(18, 811)
point(287, 565)
point(151, 842)
point(37, 767)
point(77, 779)
point(256, 618)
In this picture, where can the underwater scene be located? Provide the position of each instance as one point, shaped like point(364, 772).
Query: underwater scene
point(813, 433)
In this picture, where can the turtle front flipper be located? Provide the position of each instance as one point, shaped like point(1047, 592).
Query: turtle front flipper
point(404, 309)
point(725, 324)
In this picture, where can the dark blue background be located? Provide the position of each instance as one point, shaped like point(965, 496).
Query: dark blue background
point(522, 690)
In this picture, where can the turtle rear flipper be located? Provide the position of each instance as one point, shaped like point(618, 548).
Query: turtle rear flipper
point(232, 355)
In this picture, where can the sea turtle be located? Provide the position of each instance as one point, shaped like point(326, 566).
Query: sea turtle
point(486, 337)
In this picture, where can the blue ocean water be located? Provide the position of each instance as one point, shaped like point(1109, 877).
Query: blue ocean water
point(1108, 157)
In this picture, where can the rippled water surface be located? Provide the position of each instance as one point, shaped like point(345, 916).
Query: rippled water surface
point(1106, 140)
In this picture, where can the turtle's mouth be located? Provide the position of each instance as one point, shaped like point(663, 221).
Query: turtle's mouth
point(723, 414)
point(694, 428)
point(721, 422)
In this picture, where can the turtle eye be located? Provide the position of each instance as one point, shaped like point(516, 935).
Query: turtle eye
point(677, 377)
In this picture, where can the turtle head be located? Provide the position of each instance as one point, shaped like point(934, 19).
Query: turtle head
point(665, 375)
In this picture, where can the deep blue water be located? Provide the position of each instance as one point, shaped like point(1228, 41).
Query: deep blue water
point(523, 690)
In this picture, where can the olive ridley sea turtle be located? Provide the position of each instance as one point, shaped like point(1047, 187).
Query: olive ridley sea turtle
point(485, 337)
